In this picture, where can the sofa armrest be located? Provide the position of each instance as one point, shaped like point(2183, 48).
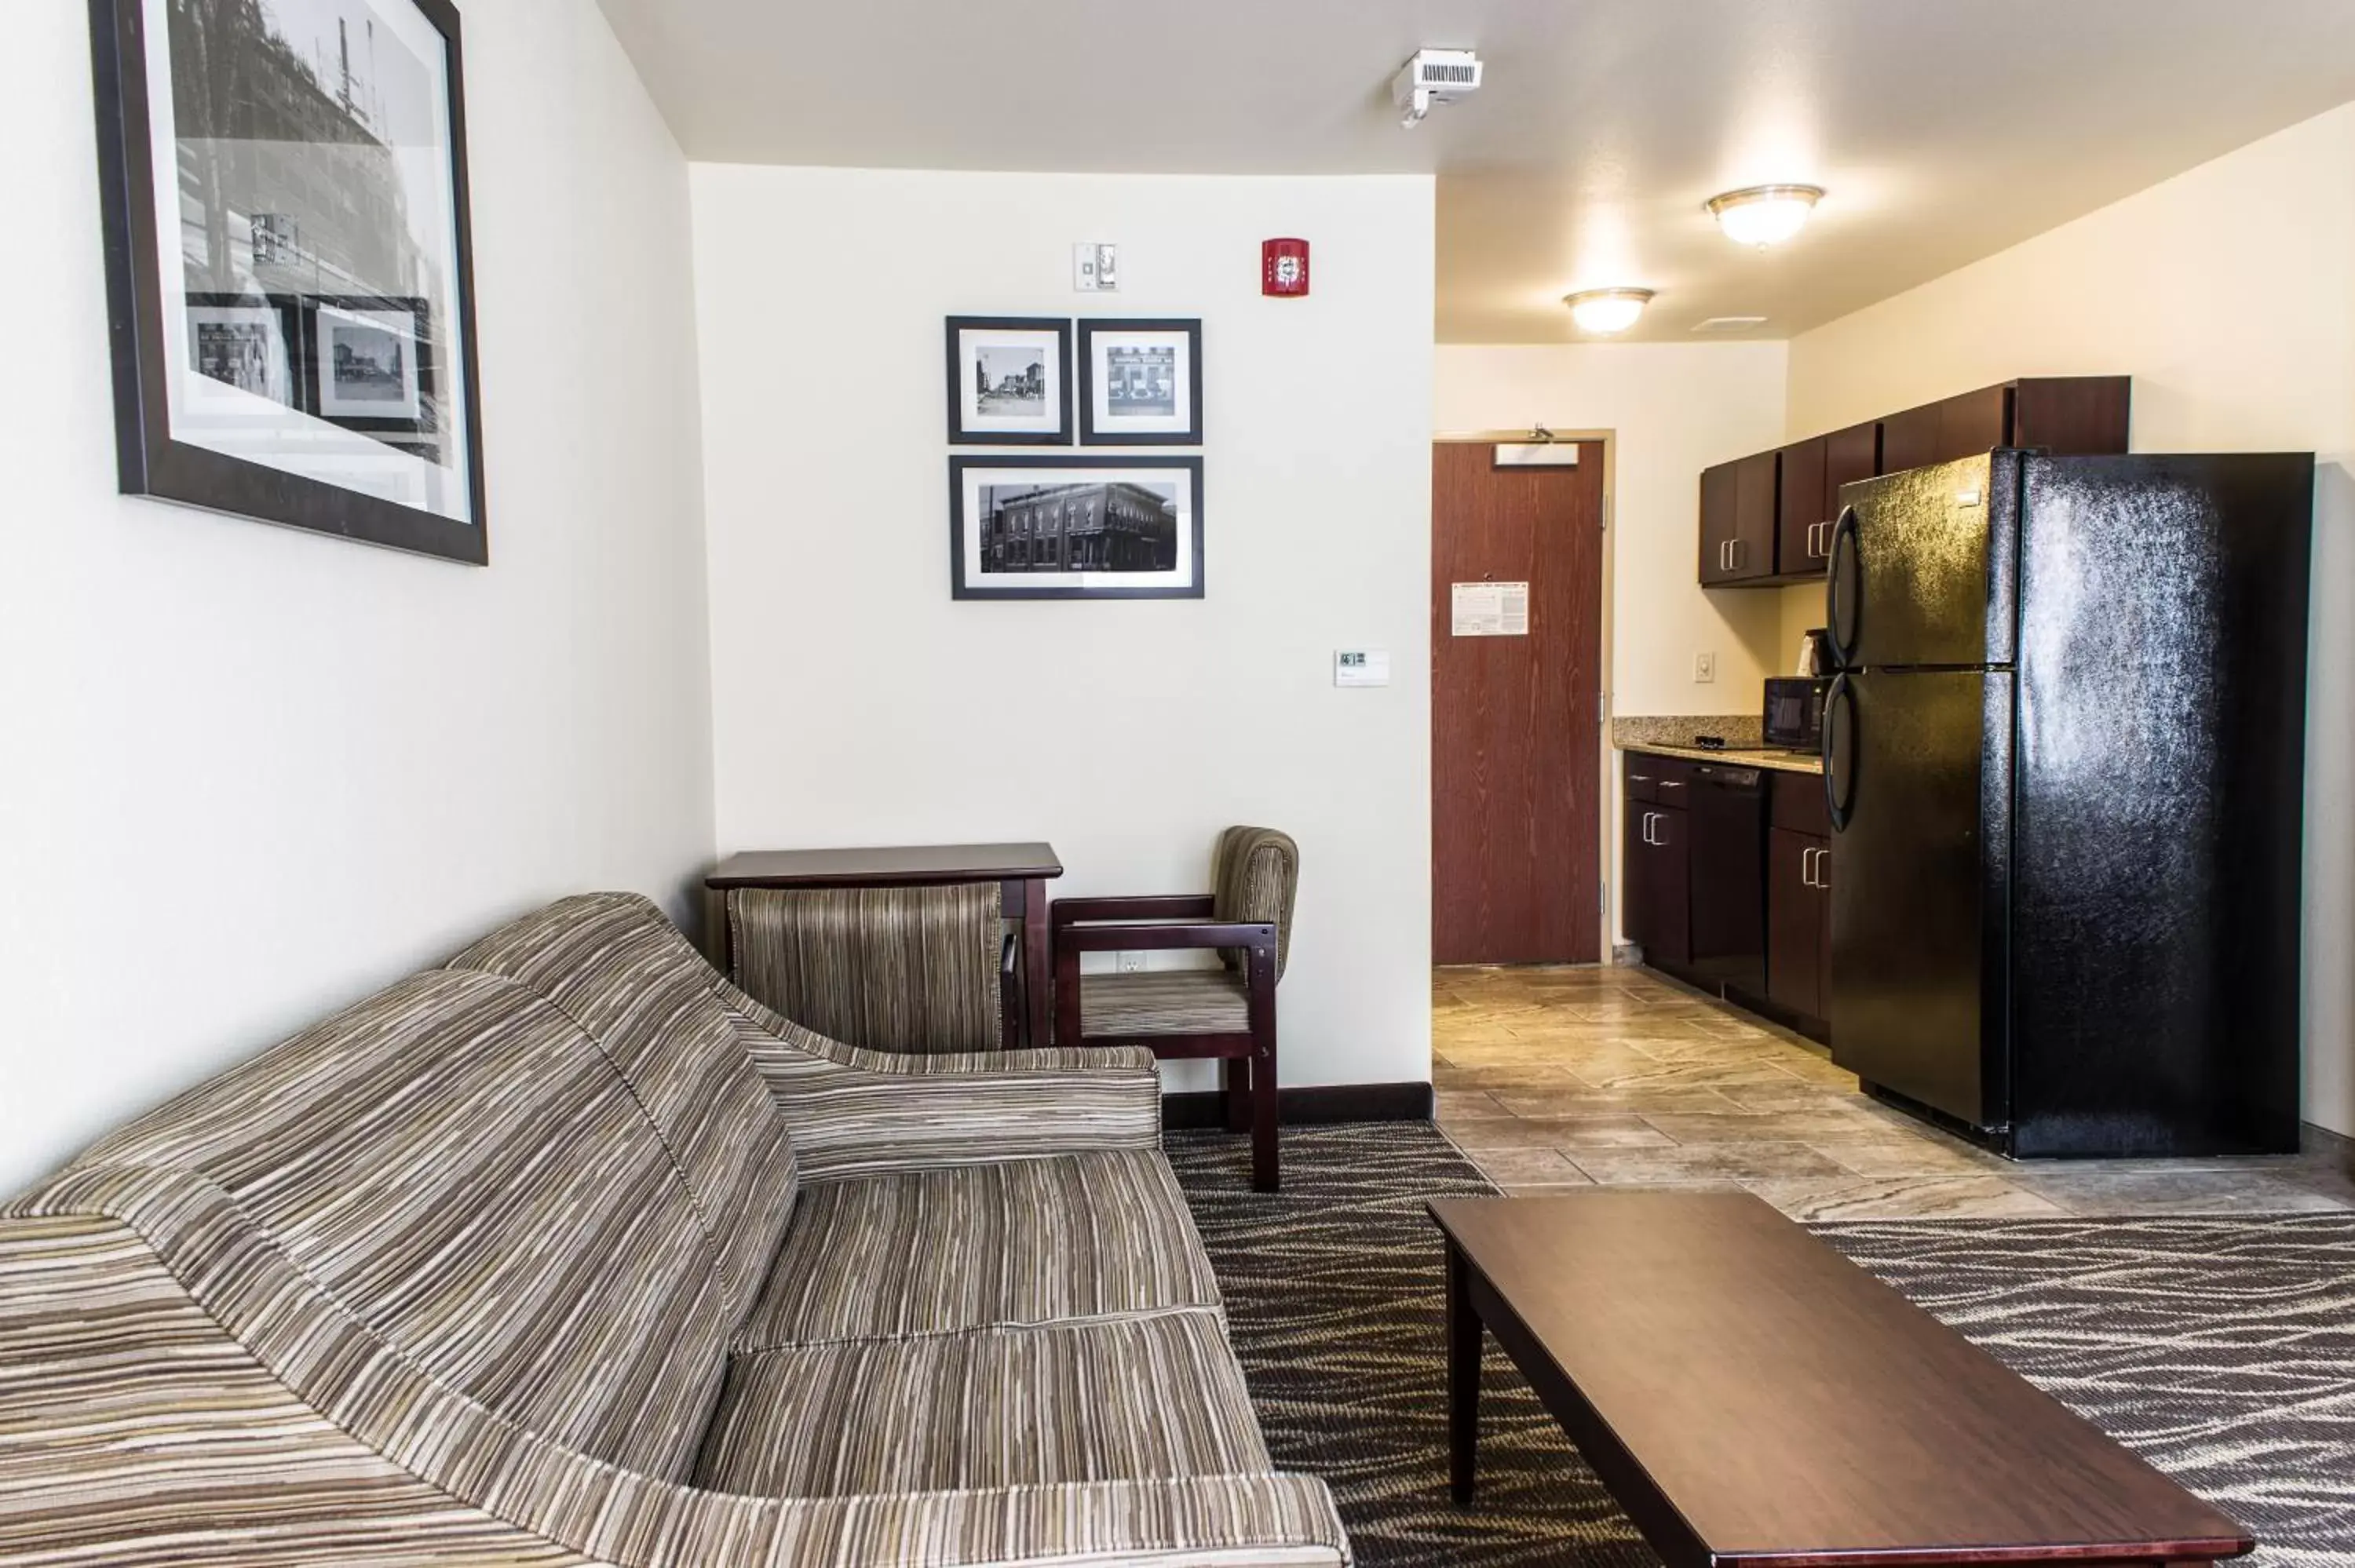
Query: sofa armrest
point(892, 1113)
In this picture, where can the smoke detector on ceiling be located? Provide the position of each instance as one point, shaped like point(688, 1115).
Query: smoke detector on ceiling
point(1434, 76)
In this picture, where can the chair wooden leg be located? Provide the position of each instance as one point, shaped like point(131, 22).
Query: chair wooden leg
point(1266, 1176)
point(1235, 1072)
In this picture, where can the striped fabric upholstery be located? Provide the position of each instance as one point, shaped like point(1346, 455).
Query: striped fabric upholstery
point(1165, 1001)
point(614, 965)
point(452, 1159)
point(896, 968)
point(230, 1472)
point(936, 1252)
point(1255, 876)
point(857, 1113)
point(1139, 1400)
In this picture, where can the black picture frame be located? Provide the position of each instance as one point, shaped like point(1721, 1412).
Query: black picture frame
point(315, 399)
point(961, 433)
point(149, 461)
point(1091, 434)
point(961, 586)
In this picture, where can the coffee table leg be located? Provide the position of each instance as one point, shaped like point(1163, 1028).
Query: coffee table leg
point(1463, 1377)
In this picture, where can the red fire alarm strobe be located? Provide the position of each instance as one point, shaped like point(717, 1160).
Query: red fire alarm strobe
point(1283, 268)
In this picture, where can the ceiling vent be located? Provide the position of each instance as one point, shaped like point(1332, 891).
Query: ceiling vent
point(1729, 323)
point(1434, 76)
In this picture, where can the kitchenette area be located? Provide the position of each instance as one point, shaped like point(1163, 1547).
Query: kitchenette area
point(2018, 840)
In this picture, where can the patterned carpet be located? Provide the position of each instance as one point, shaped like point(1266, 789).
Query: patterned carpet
point(2222, 1350)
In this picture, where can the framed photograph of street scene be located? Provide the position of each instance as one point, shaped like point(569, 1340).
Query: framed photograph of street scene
point(288, 273)
point(369, 364)
point(1009, 381)
point(1075, 527)
point(1140, 383)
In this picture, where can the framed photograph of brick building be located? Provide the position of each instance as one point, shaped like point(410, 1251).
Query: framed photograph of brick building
point(289, 275)
point(1140, 383)
point(1009, 381)
point(1075, 527)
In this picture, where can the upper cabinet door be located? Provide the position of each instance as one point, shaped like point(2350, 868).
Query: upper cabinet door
point(1910, 440)
point(1720, 507)
point(1849, 455)
point(1802, 535)
point(1973, 423)
point(2072, 416)
point(1756, 503)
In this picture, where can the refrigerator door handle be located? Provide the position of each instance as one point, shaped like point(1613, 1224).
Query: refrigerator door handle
point(1839, 791)
point(1843, 589)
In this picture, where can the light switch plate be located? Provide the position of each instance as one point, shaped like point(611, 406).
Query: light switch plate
point(1361, 667)
point(1095, 268)
point(1704, 668)
point(1132, 962)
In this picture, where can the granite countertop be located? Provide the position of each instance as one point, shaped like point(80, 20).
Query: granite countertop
point(1775, 761)
point(1745, 743)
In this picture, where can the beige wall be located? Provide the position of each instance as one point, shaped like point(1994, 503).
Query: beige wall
point(247, 774)
point(2228, 293)
point(855, 702)
point(1673, 409)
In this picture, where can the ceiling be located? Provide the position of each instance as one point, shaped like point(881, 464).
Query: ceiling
point(1943, 130)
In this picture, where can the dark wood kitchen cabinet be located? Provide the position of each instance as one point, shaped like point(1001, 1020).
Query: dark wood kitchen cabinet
point(1766, 520)
point(1656, 865)
point(1798, 901)
point(1738, 507)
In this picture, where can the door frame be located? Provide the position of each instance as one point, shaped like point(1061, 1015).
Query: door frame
point(1606, 802)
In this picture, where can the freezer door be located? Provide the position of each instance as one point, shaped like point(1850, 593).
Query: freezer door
point(1922, 566)
point(1917, 772)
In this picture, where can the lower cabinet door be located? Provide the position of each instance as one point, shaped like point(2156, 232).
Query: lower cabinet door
point(1668, 889)
point(1796, 932)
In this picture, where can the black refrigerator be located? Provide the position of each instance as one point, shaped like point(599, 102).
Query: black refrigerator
point(2065, 758)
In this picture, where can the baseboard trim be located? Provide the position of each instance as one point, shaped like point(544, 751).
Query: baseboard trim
point(1307, 1107)
point(2335, 1146)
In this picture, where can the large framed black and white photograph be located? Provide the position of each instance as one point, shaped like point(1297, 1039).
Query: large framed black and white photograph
point(1009, 381)
point(288, 278)
point(1140, 383)
point(1075, 527)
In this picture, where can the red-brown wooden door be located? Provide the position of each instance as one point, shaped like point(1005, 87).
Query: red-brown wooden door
point(1516, 726)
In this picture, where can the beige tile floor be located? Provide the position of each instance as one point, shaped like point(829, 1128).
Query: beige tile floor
point(1556, 1078)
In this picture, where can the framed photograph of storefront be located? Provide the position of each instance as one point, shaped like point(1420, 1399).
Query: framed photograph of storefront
point(1140, 383)
point(1009, 381)
point(289, 264)
point(1075, 527)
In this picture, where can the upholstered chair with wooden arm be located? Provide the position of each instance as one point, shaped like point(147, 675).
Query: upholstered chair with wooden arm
point(1227, 1013)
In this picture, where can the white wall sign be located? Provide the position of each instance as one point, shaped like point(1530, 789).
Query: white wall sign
point(1361, 667)
point(1492, 610)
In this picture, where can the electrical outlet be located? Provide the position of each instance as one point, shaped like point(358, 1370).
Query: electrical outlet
point(1704, 668)
point(1131, 963)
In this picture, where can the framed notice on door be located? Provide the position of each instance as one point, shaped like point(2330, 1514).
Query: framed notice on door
point(1491, 609)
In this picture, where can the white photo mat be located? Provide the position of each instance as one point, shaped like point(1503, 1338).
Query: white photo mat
point(1140, 383)
point(996, 351)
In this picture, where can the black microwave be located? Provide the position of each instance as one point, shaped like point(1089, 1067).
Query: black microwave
point(1795, 712)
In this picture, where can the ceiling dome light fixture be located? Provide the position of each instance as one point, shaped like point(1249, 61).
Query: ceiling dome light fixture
point(1764, 215)
point(1605, 310)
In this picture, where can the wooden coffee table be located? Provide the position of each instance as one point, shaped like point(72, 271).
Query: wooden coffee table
point(1754, 1400)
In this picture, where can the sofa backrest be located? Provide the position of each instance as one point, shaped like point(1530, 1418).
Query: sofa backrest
point(460, 1167)
point(615, 965)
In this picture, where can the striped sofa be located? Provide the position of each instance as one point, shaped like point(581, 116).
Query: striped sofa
point(570, 1253)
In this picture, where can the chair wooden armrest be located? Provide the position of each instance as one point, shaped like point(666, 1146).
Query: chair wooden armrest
point(1177, 906)
point(1134, 934)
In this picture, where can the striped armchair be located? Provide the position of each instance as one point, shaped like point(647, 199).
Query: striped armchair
point(1228, 1012)
point(571, 1254)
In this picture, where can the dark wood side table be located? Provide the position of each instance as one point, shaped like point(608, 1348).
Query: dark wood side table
point(1754, 1400)
point(1022, 870)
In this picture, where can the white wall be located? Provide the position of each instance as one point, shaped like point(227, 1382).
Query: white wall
point(1673, 409)
point(854, 703)
point(247, 773)
point(2228, 293)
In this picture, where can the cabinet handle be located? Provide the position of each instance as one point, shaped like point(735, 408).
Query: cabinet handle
point(1823, 869)
point(1806, 868)
point(1738, 548)
point(1651, 820)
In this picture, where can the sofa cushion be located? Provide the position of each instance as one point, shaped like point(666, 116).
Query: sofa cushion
point(941, 1251)
point(1144, 1398)
point(452, 1162)
point(614, 965)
